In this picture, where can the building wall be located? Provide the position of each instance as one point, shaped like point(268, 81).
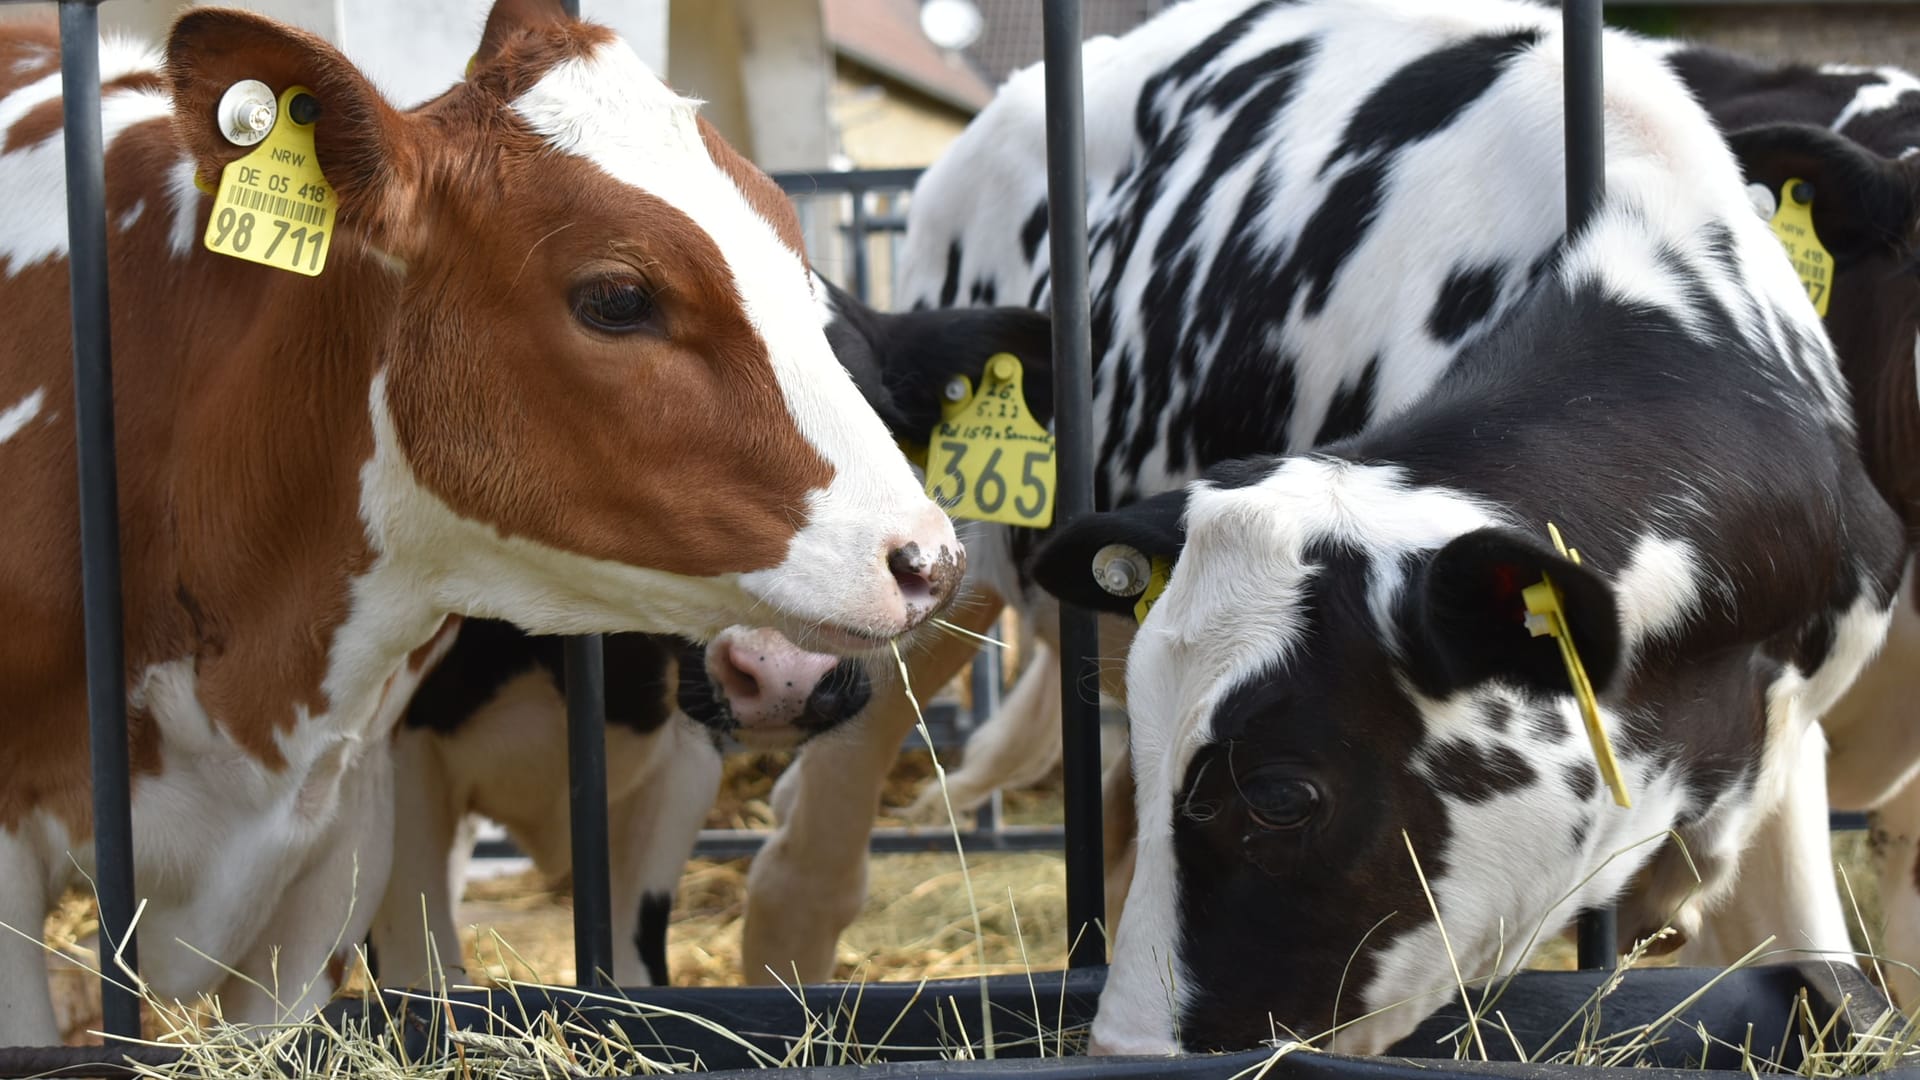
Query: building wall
point(411, 49)
point(884, 126)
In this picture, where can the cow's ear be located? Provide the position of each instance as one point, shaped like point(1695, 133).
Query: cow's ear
point(363, 144)
point(1863, 204)
point(1464, 620)
point(510, 18)
point(1077, 562)
point(915, 354)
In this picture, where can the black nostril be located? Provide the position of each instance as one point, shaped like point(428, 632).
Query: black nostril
point(905, 564)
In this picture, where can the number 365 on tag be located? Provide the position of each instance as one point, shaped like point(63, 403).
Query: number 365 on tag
point(989, 459)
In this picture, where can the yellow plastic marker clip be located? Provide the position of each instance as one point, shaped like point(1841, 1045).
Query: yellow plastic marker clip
point(988, 458)
point(1546, 614)
point(1793, 224)
point(274, 206)
point(1156, 584)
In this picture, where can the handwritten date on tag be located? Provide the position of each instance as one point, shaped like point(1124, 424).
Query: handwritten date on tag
point(1793, 224)
point(988, 458)
point(274, 206)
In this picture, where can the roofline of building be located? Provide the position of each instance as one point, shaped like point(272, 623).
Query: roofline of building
point(879, 66)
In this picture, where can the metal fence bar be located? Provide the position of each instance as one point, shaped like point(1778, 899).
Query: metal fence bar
point(585, 663)
point(1586, 188)
point(99, 508)
point(1073, 434)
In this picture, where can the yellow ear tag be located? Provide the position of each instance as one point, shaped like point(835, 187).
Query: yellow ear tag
point(988, 458)
point(1546, 614)
point(274, 206)
point(471, 60)
point(1793, 224)
point(1156, 584)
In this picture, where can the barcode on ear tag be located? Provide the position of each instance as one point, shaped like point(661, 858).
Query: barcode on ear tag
point(274, 205)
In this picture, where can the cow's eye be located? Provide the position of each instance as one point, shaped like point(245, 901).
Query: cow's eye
point(1279, 800)
point(614, 305)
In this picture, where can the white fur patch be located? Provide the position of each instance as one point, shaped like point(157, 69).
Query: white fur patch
point(20, 413)
point(33, 217)
point(611, 110)
point(1658, 590)
point(1873, 97)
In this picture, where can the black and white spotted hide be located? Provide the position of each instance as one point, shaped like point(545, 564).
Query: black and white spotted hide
point(1336, 226)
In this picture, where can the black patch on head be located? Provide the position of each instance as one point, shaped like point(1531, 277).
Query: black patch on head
point(1466, 298)
point(1582, 781)
point(1254, 900)
point(1498, 715)
point(1034, 231)
point(1581, 830)
point(1351, 409)
point(1476, 775)
point(656, 911)
point(1428, 94)
point(950, 285)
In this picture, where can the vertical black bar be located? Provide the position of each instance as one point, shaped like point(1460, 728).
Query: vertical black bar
point(858, 231)
point(587, 805)
point(99, 507)
point(587, 793)
point(1072, 425)
point(1586, 187)
point(1586, 144)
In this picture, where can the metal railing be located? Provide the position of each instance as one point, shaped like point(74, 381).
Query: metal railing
point(92, 351)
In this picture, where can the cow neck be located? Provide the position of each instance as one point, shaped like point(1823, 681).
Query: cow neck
point(274, 575)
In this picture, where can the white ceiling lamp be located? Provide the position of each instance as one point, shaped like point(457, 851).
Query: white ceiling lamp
point(951, 24)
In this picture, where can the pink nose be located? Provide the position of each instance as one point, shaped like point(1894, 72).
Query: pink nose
point(766, 678)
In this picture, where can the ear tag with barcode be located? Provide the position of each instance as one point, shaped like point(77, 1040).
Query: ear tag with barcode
point(1793, 224)
point(1547, 615)
point(274, 206)
point(988, 458)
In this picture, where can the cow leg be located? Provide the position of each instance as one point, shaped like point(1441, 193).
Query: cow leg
point(1788, 870)
point(302, 957)
point(413, 931)
point(809, 881)
point(1017, 745)
point(1896, 857)
point(26, 1002)
point(653, 830)
point(1875, 746)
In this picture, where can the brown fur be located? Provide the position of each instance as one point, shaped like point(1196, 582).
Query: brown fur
point(242, 393)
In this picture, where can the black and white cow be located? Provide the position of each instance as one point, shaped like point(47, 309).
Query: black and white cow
point(1859, 129)
point(485, 736)
point(1337, 225)
point(1850, 132)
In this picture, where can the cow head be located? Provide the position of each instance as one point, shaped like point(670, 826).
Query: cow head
point(601, 396)
point(1866, 211)
point(755, 686)
point(1337, 671)
point(903, 361)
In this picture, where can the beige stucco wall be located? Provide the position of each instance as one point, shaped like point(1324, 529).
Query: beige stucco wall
point(884, 126)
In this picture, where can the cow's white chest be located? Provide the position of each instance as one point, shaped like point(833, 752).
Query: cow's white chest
point(219, 835)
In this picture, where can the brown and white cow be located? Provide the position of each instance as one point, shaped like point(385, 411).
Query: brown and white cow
point(564, 367)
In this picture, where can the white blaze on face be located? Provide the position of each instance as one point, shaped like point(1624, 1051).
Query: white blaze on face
point(610, 109)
